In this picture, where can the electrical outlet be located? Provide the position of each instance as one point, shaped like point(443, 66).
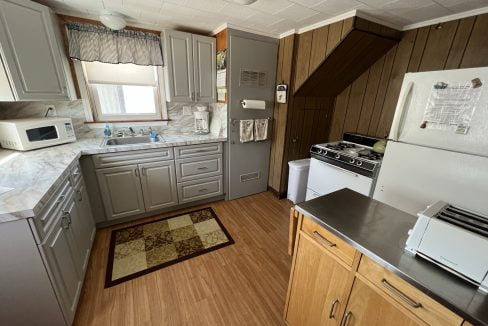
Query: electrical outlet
point(187, 110)
point(51, 111)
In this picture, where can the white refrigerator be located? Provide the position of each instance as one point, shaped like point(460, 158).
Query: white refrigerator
point(438, 143)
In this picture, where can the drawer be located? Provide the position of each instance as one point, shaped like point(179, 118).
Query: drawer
point(76, 174)
point(199, 189)
point(198, 150)
point(197, 168)
point(132, 157)
point(424, 307)
point(329, 241)
point(45, 219)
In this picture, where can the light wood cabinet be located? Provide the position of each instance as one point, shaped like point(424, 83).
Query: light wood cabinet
point(367, 307)
point(191, 67)
point(34, 62)
point(321, 290)
point(121, 191)
point(158, 185)
point(319, 287)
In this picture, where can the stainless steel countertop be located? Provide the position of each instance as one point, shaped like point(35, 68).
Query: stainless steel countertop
point(380, 231)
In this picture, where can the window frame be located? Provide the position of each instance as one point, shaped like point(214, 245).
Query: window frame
point(92, 104)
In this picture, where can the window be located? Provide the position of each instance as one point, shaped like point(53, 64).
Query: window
point(124, 92)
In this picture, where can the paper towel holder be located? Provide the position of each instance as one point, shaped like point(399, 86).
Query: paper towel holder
point(243, 103)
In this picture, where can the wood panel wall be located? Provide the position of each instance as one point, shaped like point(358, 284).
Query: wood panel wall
point(302, 121)
point(367, 106)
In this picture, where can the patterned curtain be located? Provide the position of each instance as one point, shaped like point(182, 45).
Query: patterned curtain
point(97, 43)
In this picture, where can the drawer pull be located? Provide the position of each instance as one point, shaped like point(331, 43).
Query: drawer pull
point(202, 168)
point(346, 318)
point(332, 309)
point(203, 190)
point(322, 239)
point(80, 195)
point(400, 294)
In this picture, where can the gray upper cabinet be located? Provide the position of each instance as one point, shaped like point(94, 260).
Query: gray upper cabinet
point(179, 62)
point(191, 67)
point(204, 68)
point(121, 191)
point(35, 66)
point(158, 185)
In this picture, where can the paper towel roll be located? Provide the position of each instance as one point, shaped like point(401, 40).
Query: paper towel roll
point(254, 104)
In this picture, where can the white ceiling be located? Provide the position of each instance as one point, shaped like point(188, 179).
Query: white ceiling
point(271, 17)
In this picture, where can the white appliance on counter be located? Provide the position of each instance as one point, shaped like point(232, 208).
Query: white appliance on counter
point(423, 165)
point(350, 163)
point(27, 134)
point(432, 238)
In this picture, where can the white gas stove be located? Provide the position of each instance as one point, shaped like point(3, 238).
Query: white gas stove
point(350, 163)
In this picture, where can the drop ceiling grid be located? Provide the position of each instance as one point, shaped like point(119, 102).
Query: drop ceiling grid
point(272, 17)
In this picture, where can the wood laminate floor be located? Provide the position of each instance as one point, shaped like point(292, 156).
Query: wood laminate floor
point(242, 284)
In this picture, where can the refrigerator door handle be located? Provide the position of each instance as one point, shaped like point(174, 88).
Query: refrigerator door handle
point(403, 102)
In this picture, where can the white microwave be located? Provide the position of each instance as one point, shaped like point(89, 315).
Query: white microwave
point(27, 134)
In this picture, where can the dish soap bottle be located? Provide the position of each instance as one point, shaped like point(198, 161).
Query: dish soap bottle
point(107, 131)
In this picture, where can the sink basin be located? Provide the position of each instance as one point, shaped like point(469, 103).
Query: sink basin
point(131, 140)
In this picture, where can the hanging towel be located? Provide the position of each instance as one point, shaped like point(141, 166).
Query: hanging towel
point(246, 130)
point(260, 129)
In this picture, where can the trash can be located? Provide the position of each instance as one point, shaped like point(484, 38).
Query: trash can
point(297, 180)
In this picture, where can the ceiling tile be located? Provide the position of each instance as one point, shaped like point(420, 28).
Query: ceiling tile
point(308, 3)
point(296, 13)
point(337, 7)
point(459, 6)
point(237, 11)
point(263, 20)
point(271, 6)
point(207, 5)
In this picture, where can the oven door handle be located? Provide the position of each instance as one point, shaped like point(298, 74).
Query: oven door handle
point(343, 170)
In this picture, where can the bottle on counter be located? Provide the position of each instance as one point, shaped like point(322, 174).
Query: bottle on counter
point(107, 131)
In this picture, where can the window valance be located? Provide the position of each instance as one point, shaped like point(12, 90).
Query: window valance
point(98, 43)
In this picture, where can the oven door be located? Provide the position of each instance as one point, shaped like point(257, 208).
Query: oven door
point(325, 178)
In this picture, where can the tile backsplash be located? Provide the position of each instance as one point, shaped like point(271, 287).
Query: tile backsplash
point(181, 122)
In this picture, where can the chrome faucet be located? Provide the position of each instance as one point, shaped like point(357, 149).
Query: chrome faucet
point(132, 132)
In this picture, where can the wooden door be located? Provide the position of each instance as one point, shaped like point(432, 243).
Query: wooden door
point(32, 54)
point(367, 307)
point(60, 251)
point(179, 61)
point(158, 185)
point(204, 68)
point(85, 221)
point(319, 286)
point(121, 191)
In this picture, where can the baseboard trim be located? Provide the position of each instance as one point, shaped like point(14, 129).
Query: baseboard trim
point(276, 193)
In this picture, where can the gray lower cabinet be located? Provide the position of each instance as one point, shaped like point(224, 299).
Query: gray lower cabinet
point(121, 191)
point(158, 185)
point(61, 252)
point(85, 225)
point(200, 189)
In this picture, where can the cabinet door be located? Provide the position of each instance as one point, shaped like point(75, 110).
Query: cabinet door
point(85, 225)
point(179, 61)
point(60, 251)
point(367, 307)
point(121, 191)
point(32, 52)
point(158, 184)
point(319, 286)
point(204, 68)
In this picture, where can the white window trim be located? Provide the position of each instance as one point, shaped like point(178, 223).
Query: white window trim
point(90, 106)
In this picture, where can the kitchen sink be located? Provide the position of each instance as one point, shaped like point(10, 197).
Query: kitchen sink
point(131, 140)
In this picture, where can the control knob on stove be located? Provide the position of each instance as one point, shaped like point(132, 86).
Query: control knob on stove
point(337, 156)
point(352, 161)
point(359, 163)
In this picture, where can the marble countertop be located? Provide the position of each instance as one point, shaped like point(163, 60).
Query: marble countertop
point(380, 231)
point(35, 175)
